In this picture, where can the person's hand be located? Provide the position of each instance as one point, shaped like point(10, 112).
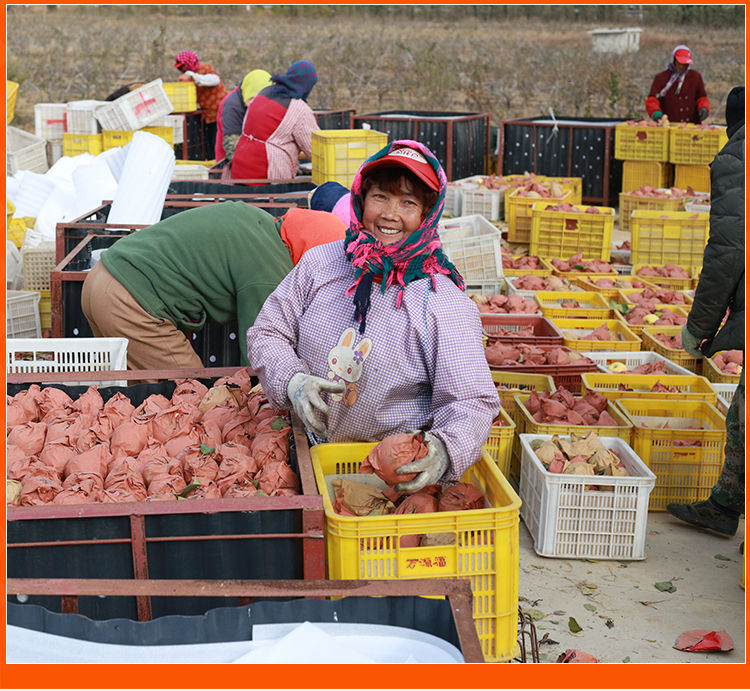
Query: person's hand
point(702, 113)
point(304, 392)
point(690, 343)
point(431, 467)
point(657, 116)
point(185, 77)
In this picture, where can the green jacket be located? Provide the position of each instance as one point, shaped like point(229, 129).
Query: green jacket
point(215, 263)
point(722, 281)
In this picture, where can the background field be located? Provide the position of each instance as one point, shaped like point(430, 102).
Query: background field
point(512, 61)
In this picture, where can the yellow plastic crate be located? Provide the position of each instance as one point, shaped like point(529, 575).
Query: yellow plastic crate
point(485, 548)
point(625, 295)
point(16, 231)
point(519, 382)
point(572, 185)
point(528, 425)
point(573, 329)
point(113, 138)
point(633, 202)
point(698, 177)
point(500, 442)
point(546, 270)
point(641, 142)
point(678, 356)
point(338, 154)
point(564, 233)
point(587, 283)
point(684, 474)
point(666, 281)
point(695, 145)
point(635, 174)
point(182, 96)
point(668, 237)
point(593, 305)
point(518, 213)
point(166, 133)
point(689, 388)
point(714, 374)
point(638, 328)
point(11, 91)
point(75, 144)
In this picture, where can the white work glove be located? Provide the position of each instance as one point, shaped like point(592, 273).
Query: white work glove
point(690, 343)
point(304, 392)
point(431, 467)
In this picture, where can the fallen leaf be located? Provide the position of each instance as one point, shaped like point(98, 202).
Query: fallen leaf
point(573, 625)
point(721, 557)
point(721, 566)
point(665, 586)
point(536, 566)
point(547, 640)
point(626, 659)
point(559, 612)
point(535, 614)
point(590, 607)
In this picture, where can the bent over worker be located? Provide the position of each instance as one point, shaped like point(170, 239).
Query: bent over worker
point(215, 263)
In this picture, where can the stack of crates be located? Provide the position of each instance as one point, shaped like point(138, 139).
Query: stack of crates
point(691, 150)
point(338, 154)
point(644, 150)
point(38, 262)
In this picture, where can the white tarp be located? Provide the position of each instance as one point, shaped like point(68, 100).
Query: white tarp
point(307, 643)
point(144, 181)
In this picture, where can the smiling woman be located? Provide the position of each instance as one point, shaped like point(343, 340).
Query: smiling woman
point(407, 354)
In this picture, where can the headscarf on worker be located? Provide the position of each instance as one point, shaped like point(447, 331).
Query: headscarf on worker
point(683, 55)
point(298, 81)
point(254, 81)
point(187, 59)
point(417, 256)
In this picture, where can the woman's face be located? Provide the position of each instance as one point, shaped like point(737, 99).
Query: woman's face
point(391, 217)
point(679, 66)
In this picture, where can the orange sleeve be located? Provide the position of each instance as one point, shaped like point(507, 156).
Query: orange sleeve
point(302, 229)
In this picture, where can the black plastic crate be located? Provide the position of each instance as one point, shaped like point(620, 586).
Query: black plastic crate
point(335, 119)
point(188, 540)
point(460, 141)
point(575, 147)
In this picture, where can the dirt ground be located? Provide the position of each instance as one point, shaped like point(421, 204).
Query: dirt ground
point(623, 617)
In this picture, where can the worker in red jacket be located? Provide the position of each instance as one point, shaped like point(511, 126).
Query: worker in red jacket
point(678, 91)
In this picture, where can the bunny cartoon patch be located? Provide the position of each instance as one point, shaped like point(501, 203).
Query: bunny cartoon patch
point(345, 363)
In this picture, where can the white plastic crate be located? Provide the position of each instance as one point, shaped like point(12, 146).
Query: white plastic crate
point(725, 393)
point(635, 359)
point(49, 120)
point(472, 243)
point(486, 288)
point(22, 314)
point(81, 116)
point(25, 151)
point(38, 262)
point(68, 355)
point(136, 109)
point(454, 194)
point(176, 121)
point(190, 171)
point(568, 520)
point(479, 200)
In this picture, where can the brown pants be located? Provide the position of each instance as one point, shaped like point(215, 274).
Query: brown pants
point(111, 311)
